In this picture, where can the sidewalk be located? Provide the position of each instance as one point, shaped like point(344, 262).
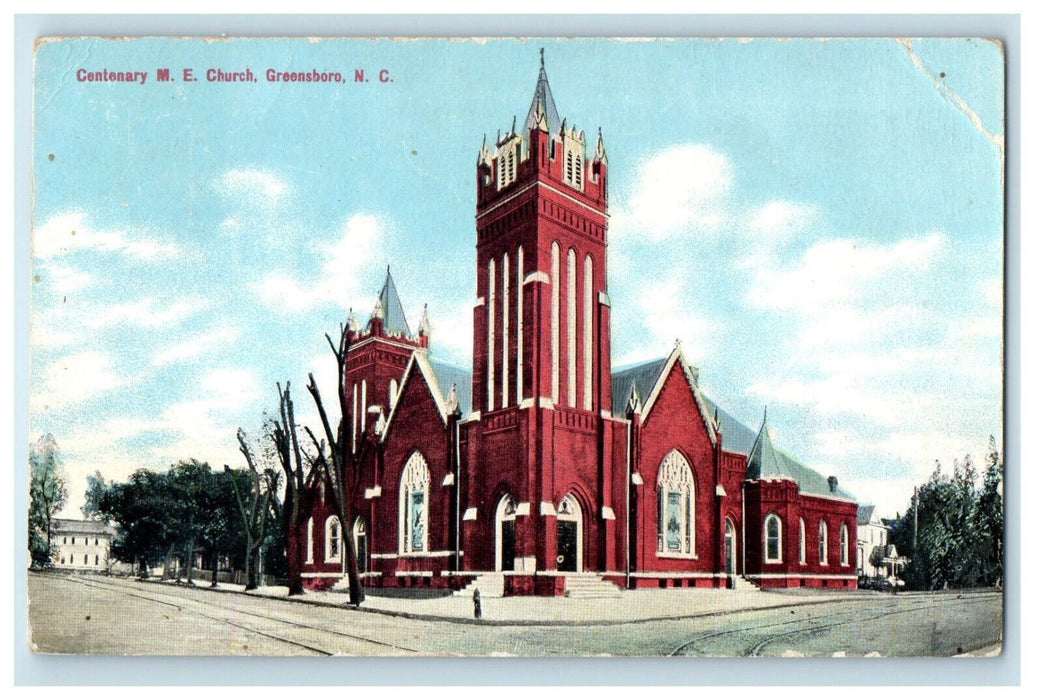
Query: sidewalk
point(631, 606)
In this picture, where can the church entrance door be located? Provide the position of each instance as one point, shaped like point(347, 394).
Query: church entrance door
point(569, 535)
point(729, 565)
point(505, 531)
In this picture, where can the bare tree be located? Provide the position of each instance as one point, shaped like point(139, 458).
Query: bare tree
point(255, 516)
point(284, 435)
point(341, 468)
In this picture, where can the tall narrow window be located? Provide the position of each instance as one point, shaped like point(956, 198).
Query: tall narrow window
point(413, 501)
point(392, 393)
point(491, 315)
point(505, 391)
point(332, 539)
point(571, 327)
point(676, 521)
point(555, 321)
point(844, 545)
point(354, 415)
point(772, 539)
point(588, 334)
point(803, 542)
point(519, 368)
point(823, 543)
point(310, 551)
point(365, 409)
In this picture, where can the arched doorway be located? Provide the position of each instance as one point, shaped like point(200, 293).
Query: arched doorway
point(505, 518)
point(729, 548)
point(361, 545)
point(569, 535)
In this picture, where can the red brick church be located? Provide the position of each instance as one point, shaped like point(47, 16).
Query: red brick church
point(543, 470)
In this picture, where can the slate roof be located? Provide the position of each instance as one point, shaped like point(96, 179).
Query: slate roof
point(768, 462)
point(92, 527)
point(391, 305)
point(865, 511)
point(765, 461)
point(447, 375)
point(542, 103)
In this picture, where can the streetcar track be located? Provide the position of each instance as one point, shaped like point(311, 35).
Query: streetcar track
point(849, 617)
point(136, 593)
point(757, 648)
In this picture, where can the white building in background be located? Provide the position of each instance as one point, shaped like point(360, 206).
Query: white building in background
point(81, 545)
point(871, 533)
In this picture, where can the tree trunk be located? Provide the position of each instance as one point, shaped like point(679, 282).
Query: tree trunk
point(213, 578)
point(294, 562)
point(251, 580)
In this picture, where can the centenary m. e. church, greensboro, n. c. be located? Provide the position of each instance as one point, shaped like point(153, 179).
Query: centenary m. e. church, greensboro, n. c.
point(543, 471)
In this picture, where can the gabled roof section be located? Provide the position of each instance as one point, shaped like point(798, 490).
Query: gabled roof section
point(641, 376)
point(418, 362)
point(449, 376)
point(644, 372)
point(736, 435)
point(391, 306)
point(865, 513)
point(543, 106)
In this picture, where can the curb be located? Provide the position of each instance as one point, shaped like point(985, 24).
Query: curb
point(426, 617)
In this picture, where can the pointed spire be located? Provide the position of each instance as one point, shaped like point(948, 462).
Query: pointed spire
point(378, 310)
point(542, 103)
point(390, 308)
point(425, 324)
point(600, 153)
point(513, 125)
point(352, 322)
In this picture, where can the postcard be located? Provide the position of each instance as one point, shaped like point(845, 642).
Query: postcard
point(517, 347)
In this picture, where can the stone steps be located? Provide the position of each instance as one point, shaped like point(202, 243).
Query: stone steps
point(589, 586)
point(490, 585)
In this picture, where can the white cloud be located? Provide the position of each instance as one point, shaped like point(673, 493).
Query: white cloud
point(257, 186)
point(678, 191)
point(217, 338)
point(63, 234)
point(837, 271)
point(146, 313)
point(74, 379)
point(60, 279)
point(666, 315)
point(338, 279)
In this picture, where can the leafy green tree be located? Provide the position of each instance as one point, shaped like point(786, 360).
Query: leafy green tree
point(990, 514)
point(47, 496)
point(953, 529)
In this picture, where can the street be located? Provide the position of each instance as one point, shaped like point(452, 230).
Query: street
point(103, 615)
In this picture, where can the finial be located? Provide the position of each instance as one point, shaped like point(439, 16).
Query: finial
point(452, 401)
point(765, 414)
point(425, 326)
point(513, 125)
point(541, 64)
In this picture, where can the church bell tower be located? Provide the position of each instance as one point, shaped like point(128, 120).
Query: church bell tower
point(542, 375)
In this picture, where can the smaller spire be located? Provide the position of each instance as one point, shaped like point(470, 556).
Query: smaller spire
point(513, 125)
point(600, 152)
point(352, 322)
point(425, 324)
point(452, 400)
point(378, 309)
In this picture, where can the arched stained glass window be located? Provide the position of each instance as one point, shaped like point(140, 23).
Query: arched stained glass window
point(414, 499)
point(676, 505)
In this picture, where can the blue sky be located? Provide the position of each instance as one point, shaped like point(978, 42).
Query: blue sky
point(819, 223)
